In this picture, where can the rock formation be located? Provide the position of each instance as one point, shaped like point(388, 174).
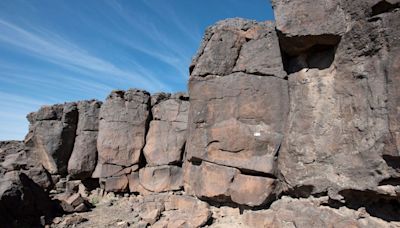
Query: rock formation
point(341, 95)
point(84, 155)
point(238, 110)
point(52, 135)
point(122, 131)
point(293, 123)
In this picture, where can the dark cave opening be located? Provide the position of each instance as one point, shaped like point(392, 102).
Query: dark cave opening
point(307, 52)
point(317, 57)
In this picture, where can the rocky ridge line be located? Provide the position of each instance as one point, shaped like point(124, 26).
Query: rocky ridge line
point(287, 124)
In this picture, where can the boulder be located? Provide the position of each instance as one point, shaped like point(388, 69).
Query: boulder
point(166, 210)
point(12, 155)
point(161, 178)
point(122, 129)
point(23, 203)
point(135, 186)
point(116, 184)
point(84, 155)
point(225, 184)
point(72, 202)
point(304, 17)
point(252, 190)
point(186, 211)
point(51, 136)
point(238, 45)
point(166, 138)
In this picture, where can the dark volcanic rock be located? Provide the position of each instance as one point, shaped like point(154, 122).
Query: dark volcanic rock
point(166, 138)
point(342, 122)
point(122, 131)
point(225, 184)
point(23, 202)
point(161, 178)
point(84, 155)
point(238, 45)
point(308, 108)
point(51, 136)
point(124, 119)
point(238, 109)
point(305, 17)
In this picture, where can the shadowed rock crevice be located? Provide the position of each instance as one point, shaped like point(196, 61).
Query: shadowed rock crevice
point(392, 161)
point(384, 7)
point(307, 52)
point(395, 181)
point(377, 205)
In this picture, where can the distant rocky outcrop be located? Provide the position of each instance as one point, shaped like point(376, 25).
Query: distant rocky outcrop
point(293, 123)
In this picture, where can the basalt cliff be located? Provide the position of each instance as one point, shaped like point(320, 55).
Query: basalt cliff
point(293, 123)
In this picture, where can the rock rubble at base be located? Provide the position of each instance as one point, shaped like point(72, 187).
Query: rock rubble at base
point(286, 124)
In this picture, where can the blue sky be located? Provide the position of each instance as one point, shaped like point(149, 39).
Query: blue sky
point(53, 51)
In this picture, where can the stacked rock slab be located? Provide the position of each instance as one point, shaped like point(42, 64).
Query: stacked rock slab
point(238, 108)
point(51, 136)
point(124, 118)
point(84, 155)
point(165, 142)
point(343, 59)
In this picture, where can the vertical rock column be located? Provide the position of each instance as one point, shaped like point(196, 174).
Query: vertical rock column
point(84, 155)
point(51, 136)
point(165, 144)
point(343, 102)
point(238, 109)
point(124, 119)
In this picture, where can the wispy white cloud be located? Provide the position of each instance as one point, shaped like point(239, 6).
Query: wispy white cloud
point(31, 78)
point(168, 13)
point(164, 46)
point(20, 101)
point(53, 48)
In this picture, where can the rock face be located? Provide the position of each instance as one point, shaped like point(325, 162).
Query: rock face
point(84, 155)
point(293, 124)
point(51, 135)
point(122, 130)
point(165, 142)
point(238, 107)
point(340, 128)
point(124, 119)
point(166, 138)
